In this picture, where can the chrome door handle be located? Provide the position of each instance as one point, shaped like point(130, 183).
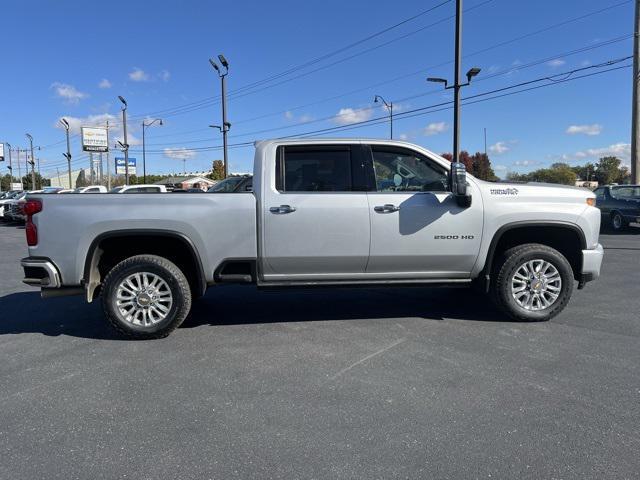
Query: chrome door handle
point(282, 209)
point(386, 208)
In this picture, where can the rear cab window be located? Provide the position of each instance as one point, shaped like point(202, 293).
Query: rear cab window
point(320, 168)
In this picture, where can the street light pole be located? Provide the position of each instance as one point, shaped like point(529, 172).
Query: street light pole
point(67, 155)
point(389, 108)
point(125, 145)
point(32, 163)
point(226, 126)
point(144, 157)
point(10, 166)
point(457, 85)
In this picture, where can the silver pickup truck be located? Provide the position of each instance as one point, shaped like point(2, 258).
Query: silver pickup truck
point(322, 212)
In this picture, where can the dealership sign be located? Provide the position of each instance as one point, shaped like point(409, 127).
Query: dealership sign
point(95, 139)
point(120, 170)
point(1, 152)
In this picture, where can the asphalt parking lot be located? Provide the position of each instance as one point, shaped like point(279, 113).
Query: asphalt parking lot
point(357, 383)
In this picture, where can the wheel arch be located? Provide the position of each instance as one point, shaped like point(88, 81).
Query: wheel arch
point(514, 233)
point(187, 257)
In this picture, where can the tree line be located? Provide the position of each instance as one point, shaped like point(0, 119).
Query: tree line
point(606, 171)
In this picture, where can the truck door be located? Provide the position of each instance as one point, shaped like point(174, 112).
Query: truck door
point(315, 214)
point(417, 228)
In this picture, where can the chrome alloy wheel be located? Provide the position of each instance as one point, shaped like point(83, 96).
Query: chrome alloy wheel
point(536, 285)
point(144, 299)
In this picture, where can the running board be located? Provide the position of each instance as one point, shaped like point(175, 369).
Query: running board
point(440, 282)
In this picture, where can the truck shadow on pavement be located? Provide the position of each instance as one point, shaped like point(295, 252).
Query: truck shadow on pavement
point(26, 312)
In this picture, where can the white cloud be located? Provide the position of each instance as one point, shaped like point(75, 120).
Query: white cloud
point(620, 150)
point(403, 136)
point(89, 121)
point(304, 118)
point(68, 92)
point(138, 75)
point(104, 83)
point(347, 116)
point(558, 62)
point(165, 75)
point(499, 168)
point(526, 163)
point(499, 148)
point(592, 130)
point(179, 153)
point(434, 128)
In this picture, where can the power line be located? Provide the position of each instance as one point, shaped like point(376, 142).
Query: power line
point(468, 100)
point(177, 110)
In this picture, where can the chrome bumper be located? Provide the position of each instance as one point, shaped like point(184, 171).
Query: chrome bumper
point(40, 272)
point(591, 263)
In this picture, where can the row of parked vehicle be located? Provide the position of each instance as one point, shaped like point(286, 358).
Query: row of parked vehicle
point(11, 202)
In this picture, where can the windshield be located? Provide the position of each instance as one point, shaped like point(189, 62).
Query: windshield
point(228, 185)
point(115, 190)
point(631, 191)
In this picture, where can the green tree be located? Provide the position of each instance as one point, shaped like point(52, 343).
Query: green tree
point(40, 182)
point(608, 170)
point(217, 170)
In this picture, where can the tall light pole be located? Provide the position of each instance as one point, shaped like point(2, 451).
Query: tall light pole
point(457, 85)
point(67, 155)
point(125, 145)
point(635, 105)
point(32, 162)
point(389, 109)
point(222, 73)
point(144, 158)
point(10, 166)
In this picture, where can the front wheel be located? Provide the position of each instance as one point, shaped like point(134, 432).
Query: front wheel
point(146, 297)
point(533, 282)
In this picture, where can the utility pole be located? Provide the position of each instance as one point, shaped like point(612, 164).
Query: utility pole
point(225, 124)
point(67, 155)
point(485, 141)
point(457, 85)
point(389, 108)
point(144, 157)
point(108, 161)
point(125, 145)
point(33, 163)
point(635, 107)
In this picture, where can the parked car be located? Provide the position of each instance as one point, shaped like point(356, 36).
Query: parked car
point(320, 214)
point(619, 205)
point(91, 189)
point(5, 200)
point(139, 189)
point(234, 184)
point(12, 208)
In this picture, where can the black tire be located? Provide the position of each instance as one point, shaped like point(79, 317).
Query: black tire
point(175, 280)
point(617, 222)
point(507, 267)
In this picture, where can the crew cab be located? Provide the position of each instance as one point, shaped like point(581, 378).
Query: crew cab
point(322, 212)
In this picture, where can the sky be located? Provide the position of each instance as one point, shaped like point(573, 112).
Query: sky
point(313, 68)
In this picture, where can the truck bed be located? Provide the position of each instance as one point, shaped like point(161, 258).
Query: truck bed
point(220, 226)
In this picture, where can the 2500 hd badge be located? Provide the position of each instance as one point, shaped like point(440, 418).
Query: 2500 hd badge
point(453, 237)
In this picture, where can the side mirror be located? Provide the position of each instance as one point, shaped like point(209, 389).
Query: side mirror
point(458, 184)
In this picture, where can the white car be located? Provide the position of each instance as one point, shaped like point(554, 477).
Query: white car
point(91, 189)
point(139, 189)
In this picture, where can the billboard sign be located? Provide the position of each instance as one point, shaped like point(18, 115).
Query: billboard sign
point(16, 186)
point(95, 139)
point(1, 152)
point(120, 170)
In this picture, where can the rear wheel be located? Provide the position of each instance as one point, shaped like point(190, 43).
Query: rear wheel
point(146, 297)
point(617, 221)
point(533, 282)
